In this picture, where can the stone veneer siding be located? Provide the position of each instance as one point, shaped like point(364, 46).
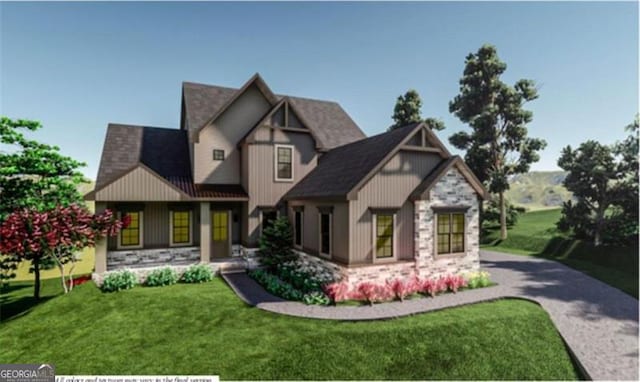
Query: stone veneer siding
point(143, 258)
point(451, 190)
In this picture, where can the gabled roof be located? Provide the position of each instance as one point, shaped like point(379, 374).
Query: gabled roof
point(163, 152)
point(422, 190)
point(329, 122)
point(286, 103)
point(344, 168)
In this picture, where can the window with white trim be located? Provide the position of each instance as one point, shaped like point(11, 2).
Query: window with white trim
point(284, 162)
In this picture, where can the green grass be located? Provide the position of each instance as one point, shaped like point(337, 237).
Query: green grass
point(535, 234)
point(206, 329)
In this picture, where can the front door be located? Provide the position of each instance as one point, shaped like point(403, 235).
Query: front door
point(220, 240)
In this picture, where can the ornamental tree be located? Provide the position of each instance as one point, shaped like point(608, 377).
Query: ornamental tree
point(29, 234)
point(407, 111)
point(604, 182)
point(498, 145)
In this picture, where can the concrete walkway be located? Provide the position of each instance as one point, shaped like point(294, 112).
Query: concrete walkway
point(599, 323)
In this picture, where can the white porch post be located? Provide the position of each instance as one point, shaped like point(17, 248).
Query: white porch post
point(205, 232)
point(101, 245)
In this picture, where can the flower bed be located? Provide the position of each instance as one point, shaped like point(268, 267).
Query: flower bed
point(304, 285)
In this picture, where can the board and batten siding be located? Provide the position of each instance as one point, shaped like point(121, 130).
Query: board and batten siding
point(389, 188)
point(225, 134)
point(311, 229)
point(261, 185)
point(138, 185)
point(156, 226)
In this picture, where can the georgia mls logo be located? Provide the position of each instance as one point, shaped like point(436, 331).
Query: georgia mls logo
point(27, 373)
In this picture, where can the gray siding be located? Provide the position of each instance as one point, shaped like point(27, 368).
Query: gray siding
point(311, 233)
point(156, 226)
point(224, 134)
point(261, 185)
point(389, 188)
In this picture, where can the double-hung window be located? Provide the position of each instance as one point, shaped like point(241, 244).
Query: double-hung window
point(384, 236)
point(284, 163)
point(180, 228)
point(131, 237)
point(450, 228)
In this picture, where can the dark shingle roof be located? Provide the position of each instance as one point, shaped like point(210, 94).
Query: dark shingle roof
point(164, 151)
point(342, 168)
point(120, 153)
point(330, 123)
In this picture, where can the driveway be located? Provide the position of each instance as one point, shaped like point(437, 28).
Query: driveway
point(599, 323)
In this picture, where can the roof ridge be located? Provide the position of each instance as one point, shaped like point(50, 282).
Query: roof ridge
point(127, 125)
point(366, 139)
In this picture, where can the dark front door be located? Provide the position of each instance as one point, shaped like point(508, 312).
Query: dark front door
point(221, 237)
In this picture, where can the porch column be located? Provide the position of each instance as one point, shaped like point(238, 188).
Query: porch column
point(101, 245)
point(205, 232)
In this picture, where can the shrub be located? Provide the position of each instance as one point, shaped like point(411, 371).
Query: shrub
point(477, 279)
point(302, 280)
point(434, 286)
point(117, 281)
point(316, 298)
point(403, 288)
point(455, 282)
point(198, 273)
point(337, 291)
point(276, 286)
point(161, 277)
point(371, 292)
point(275, 244)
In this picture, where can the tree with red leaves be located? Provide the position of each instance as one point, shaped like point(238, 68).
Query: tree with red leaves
point(56, 234)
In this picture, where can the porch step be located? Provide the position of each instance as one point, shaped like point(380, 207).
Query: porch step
point(232, 267)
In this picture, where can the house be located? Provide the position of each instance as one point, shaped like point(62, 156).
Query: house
point(394, 204)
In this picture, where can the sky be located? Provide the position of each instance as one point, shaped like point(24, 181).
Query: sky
point(78, 66)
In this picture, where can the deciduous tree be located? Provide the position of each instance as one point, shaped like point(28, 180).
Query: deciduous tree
point(498, 144)
point(30, 234)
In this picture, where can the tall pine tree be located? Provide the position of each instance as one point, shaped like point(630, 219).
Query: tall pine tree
point(498, 144)
point(407, 111)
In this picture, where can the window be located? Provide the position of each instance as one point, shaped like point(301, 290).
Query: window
point(297, 228)
point(268, 218)
point(131, 236)
point(384, 236)
point(450, 232)
point(284, 162)
point(325, 234)
point(218, 154)
point(180, 227)
point(220, 225)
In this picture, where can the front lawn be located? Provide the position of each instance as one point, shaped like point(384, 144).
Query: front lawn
point(536, 234)
point(206, 329)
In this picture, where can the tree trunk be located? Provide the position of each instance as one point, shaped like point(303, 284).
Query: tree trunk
point(36, 271)
point(503, 218)
point(597, 240)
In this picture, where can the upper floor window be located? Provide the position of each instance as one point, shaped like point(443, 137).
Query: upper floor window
point(284, 163)
point(218, 154)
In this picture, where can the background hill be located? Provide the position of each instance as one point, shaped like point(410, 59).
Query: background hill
point(538, 190)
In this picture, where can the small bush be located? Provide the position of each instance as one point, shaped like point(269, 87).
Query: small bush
point(403, 288)
point(337, 291)
point(371, 292)
point(477, 280)
point(433, 286)
point(161, 277)
point(198, 273)
point(455, 282)
point(276, 286)
point(117, 281)
point(316, 298)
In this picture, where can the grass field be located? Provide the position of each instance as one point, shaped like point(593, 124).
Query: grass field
point(206, 329)
point(535, 234)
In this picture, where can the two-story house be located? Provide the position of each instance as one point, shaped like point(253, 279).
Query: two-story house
point(393, 204)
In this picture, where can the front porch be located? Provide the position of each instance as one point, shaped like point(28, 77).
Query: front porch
point(172, 234)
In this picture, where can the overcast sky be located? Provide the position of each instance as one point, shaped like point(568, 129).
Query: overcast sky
point(76, 67)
